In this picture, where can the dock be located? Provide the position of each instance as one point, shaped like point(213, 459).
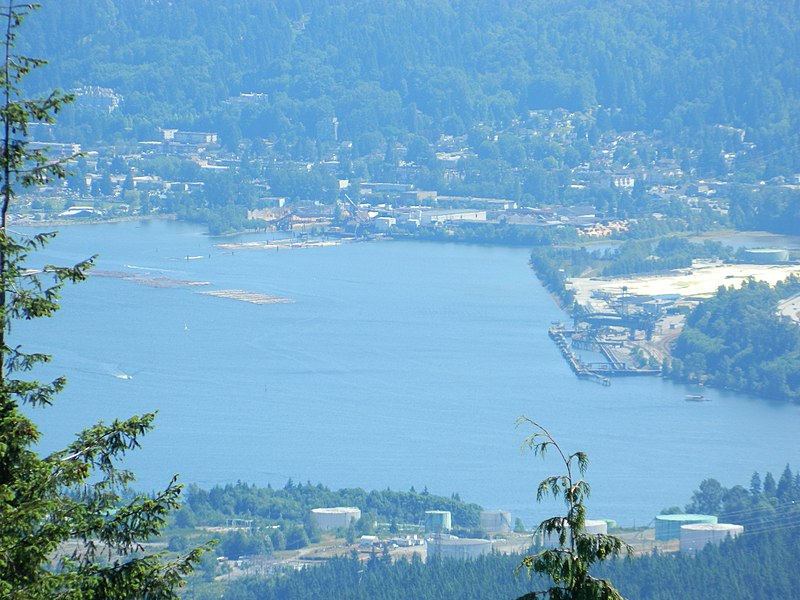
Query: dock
point(559, 336)
point(595, 371)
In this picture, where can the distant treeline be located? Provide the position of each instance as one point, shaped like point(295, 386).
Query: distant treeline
point(293, 502)
point(737, 340)
point(502, 234)
point(637, 257)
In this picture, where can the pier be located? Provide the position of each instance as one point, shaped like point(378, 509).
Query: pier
point(596, 371)
point(559, 336)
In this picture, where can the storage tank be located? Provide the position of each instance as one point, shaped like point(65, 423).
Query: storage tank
point(460, 548)
point(668, 527)
point(334, 518)
point(595, 526)
point(590, 526)
point(695, 537)
point(438, 520)
point(496, 521)
point(765, 256)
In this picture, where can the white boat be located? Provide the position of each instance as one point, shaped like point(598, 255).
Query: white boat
point(695, 398)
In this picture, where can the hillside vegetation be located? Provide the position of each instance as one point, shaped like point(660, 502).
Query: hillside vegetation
point(392, 69)
point(737, 340)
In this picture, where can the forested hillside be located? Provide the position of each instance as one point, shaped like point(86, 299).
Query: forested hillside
point(755, 566)
point(387, 70)
point(737, 340)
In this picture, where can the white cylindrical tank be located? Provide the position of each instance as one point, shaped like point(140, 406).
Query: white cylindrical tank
point(694, 537)
point(590, 526)
point(336, 517)
point(496, 521)
point(595, 526)
point(438, 520)
point(766, 255)
point(460, 548)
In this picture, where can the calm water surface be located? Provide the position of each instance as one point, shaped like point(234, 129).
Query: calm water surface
point(397, 364)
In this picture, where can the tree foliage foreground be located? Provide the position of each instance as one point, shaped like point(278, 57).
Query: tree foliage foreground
point(65, 530)
point(567, 564)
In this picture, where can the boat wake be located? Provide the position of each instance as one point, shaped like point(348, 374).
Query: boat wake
point(138, 268)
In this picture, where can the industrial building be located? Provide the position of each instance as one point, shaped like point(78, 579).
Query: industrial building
point(430, 217)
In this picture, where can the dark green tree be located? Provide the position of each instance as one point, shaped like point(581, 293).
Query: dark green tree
point(568, 564)
point(784, 490)
point(73, 495)
point(519, 526)
point(769, 486)
point(755, 484)
point(708, 499)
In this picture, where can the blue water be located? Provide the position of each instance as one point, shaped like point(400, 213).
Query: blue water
point(398, 364)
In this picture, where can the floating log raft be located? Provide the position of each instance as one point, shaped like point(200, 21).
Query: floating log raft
point(245, 296)
point(156, 282)
point(284, 244)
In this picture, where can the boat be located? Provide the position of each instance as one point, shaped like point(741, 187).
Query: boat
point(695, 398)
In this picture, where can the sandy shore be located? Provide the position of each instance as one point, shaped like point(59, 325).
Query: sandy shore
point(697, 282)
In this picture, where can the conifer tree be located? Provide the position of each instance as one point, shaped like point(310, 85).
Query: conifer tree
point(569, 562)
point(65, 531)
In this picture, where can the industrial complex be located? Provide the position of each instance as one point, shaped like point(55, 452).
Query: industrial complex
point(626, 325)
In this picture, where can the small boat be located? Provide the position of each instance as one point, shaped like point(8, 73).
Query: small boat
point(695, 398)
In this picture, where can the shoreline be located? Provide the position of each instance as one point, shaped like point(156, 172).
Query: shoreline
point(71, 223)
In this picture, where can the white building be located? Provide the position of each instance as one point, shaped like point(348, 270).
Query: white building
point(432, 217)
point(383, 224)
